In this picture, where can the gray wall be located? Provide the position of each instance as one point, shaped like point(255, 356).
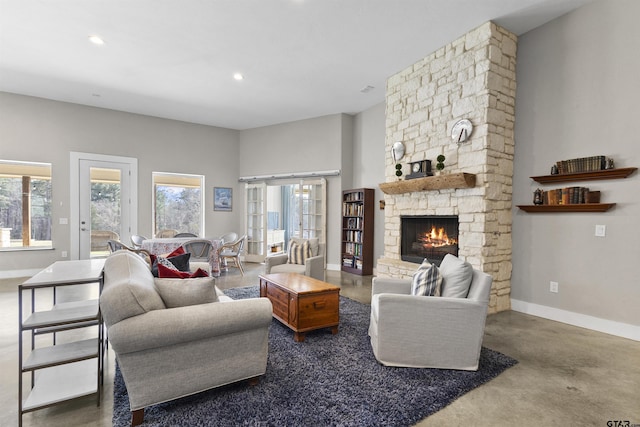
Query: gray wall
point(35, 129)
point(368, 164)
point(578, 96)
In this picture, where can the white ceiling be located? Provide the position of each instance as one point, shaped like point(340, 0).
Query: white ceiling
point(176, 58)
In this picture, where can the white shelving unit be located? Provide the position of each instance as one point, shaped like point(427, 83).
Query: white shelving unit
point(60, 372)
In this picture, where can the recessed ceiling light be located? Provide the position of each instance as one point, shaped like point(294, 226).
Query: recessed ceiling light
point(238, 76)
point(96, 40)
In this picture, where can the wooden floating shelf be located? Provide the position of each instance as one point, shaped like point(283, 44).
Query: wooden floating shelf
point(585, 176)
point(439, 182)
point(577, 207)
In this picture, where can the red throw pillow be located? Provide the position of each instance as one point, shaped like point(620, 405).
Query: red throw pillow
point(200, 273)
point(178, 251)
point(164, 272)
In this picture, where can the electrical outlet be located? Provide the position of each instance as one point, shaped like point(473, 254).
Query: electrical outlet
point(64, 254)
point(553, 287)
point(64, 221)
point(601, 230)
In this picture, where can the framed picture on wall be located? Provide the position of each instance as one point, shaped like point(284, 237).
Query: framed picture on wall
point(222, 199)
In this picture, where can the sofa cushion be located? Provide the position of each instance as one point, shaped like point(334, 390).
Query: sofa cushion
point(299, 252)
point(288, 268)
point(128, 288)
point(180, 293)
point(457, 275)
point(426, 280)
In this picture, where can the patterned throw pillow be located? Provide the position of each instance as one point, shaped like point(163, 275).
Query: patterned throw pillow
point(427, 280)
point(165, 262)
point(298, 253)
point(179, 262)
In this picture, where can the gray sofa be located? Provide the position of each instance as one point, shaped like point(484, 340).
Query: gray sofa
point(176, 337)
point(313, 266)
point(443, 332)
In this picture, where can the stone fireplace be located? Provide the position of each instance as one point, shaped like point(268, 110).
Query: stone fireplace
point(474, 78)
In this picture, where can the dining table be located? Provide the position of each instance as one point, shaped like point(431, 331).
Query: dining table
point(166, 245)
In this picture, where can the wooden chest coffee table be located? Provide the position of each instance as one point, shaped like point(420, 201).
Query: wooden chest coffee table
point(301, 302)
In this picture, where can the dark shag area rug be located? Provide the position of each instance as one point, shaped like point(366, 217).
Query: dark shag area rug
point(327, 380)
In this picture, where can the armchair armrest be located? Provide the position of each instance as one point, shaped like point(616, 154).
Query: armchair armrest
point(314, 267)
point(171, 326)
point(273, 260)
point(390, 285)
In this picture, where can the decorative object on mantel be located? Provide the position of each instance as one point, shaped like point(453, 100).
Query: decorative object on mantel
point(398, 170)
point(440, 164)
point(461, 131)
point(420, 169)
point(441, 182)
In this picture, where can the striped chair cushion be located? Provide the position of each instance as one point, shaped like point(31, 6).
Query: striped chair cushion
point(427, 280)
point(298, 253)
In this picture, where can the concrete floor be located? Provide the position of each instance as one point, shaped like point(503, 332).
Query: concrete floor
point(566, 376)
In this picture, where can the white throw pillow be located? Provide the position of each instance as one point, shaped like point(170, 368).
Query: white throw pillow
point(183, 292)
point(426, 280)
point(457, 275)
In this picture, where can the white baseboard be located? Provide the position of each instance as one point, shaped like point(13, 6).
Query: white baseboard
point(12, 274)
point(333, 267)
point(610, 327)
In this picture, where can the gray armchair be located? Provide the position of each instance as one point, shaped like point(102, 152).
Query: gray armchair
point(313, 266)
point(428, 332)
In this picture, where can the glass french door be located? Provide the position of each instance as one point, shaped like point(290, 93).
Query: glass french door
point(102, 190)
point(256, 221)
point(302, 209)
point(306, 216)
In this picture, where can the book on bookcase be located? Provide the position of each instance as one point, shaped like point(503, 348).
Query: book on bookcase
point(357, 231)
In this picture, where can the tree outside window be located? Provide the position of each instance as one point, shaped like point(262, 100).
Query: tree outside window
point(178, 203)
point(25, 205)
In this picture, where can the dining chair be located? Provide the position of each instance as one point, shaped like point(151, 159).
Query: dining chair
point(166, 233)
point(232, 251)
point(229, 237)
point(117, 245)
point(199, 249)
point(136, 240)
point(185, 235)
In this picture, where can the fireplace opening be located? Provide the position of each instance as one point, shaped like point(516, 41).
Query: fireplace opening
point(430, 237)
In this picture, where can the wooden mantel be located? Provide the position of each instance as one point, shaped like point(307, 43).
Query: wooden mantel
point(439, 182)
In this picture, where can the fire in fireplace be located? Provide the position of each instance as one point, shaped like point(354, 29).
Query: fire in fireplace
point(430, 237)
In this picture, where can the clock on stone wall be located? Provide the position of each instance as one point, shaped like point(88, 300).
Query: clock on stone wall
point(419, 169)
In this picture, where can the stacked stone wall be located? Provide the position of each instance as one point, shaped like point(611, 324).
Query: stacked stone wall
point(473, 77)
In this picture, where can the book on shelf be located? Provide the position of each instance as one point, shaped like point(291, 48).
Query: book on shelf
point(565, 196)
point(348, 261)
point(352, 209)
point(582, 164)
